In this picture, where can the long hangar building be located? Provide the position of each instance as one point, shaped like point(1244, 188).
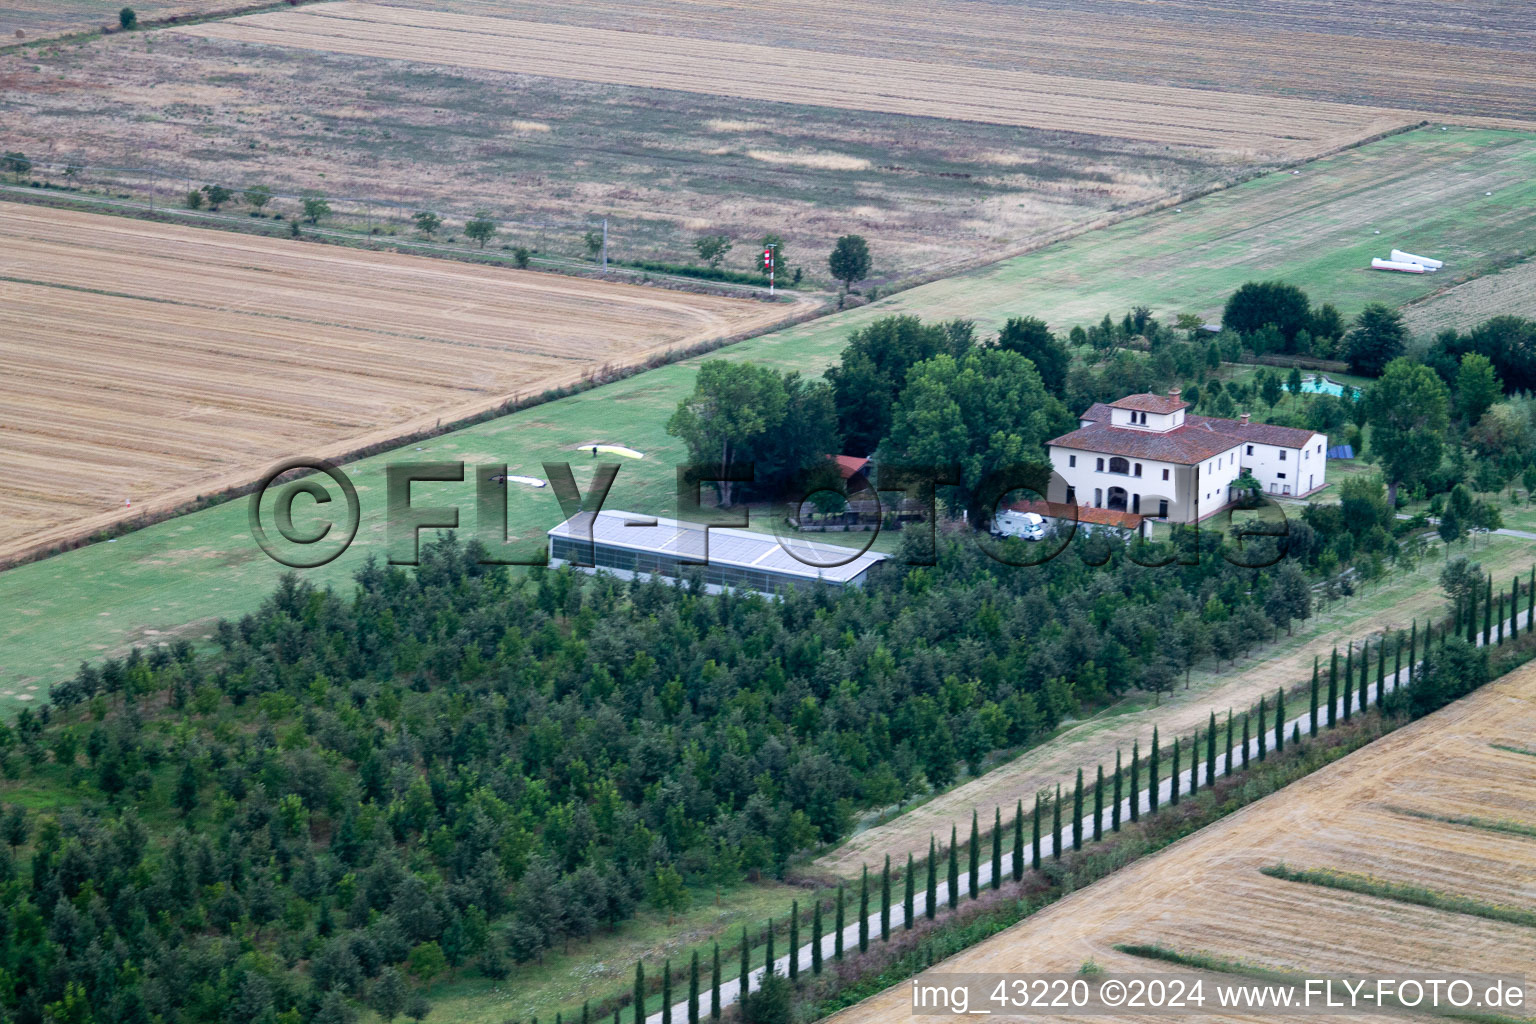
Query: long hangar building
point(628, 543)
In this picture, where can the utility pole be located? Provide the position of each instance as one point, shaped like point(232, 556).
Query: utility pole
point(768, 265)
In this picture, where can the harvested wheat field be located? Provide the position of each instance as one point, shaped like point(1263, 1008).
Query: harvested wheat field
point(21, 20)
point(1261, 127)
point(149, 364)
point(1407, 54)
point(1508, 291)
point(1373, 813)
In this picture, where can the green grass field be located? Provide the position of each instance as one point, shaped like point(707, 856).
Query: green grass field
point(1422, 190)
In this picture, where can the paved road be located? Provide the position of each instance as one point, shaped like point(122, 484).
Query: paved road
point(730, 990)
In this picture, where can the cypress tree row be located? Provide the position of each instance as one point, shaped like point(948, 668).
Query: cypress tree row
point(1152, 773)
point(1472, 618)
point(714, 983)
point(693, 991)
point(1245, 741)
point(1034, 857)
point(885, 901)
point(1135, 780)
point(816, 937)
point(1333, 689)
point(768, 951)
point(974, 863)
point(1114, 812)
point(1056, 825)
point(1173, 776)
point(997, 847)
point(794, 940)
point(1077, 813)
point(864, 910)
point(1210, 751)
point(1413, 656)
point(666, 992)
point(931, 906)
point(1018, 841)
point(1312, 718)
point(1098, 805)
point(1280, 720)
point(838, 924)
point(640, 991)
point(954, 868)
point(909, 898)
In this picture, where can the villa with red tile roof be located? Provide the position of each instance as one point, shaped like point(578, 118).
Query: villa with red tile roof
point(1146, 456)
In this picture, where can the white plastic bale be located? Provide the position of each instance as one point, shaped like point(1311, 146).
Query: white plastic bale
point(1398, 265)
point(1398, 256)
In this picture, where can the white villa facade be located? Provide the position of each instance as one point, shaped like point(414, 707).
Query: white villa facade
point(1146, 456)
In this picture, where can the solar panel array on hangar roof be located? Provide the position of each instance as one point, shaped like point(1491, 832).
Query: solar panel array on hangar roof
point(744, 549)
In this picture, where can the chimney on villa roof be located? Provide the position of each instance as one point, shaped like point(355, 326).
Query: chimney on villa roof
point(1173, 393)
point(1243, 419)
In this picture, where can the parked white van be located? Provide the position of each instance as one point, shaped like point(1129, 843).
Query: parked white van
point(1028, 525)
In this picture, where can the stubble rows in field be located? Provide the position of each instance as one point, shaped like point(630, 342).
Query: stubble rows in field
point(1263, 127)
point(147, 364)
point(1508, 291)
point(1407, 55)
point(1206, 896)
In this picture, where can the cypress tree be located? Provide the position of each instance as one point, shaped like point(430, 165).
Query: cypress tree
point(1098, 805)
point(794, 940)
point(1413, 653)
point(1312, 718)
point(1348, 680)
point(1500, 615)
point(1034, 858)
point(1135, 780)
point(1514, 610)
point(1333, 689)
point(974, 863)
point(1018, 841)
point(1472, 618)
point(666, 992)
point(768, 951)
point(954, 868)
point(1397, 664)
point(1152, 773)
point(1488, 613)
point(931, 906)
point(714, 985)
point(1381, 668)
point(1296, 733)
point(1245, 741)
point(885, 901)
point(1194, 763)
point(1210, 751)
point(816, 937)
point(1114, 812)
point(838, 924)
point(1530, 602)
point(1077, 813)
point(1280, 720)
point(1229, 741)
point(1365, 675)
point(639, 993)
point(997, 847)
point(1263, 745)
point(864, 910)
point(1173, 777)
point(693, 991)
point(746, 964)
point(909, 898)
point(1056, 825)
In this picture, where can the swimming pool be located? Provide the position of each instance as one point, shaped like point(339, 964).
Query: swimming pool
point(1324, 386)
